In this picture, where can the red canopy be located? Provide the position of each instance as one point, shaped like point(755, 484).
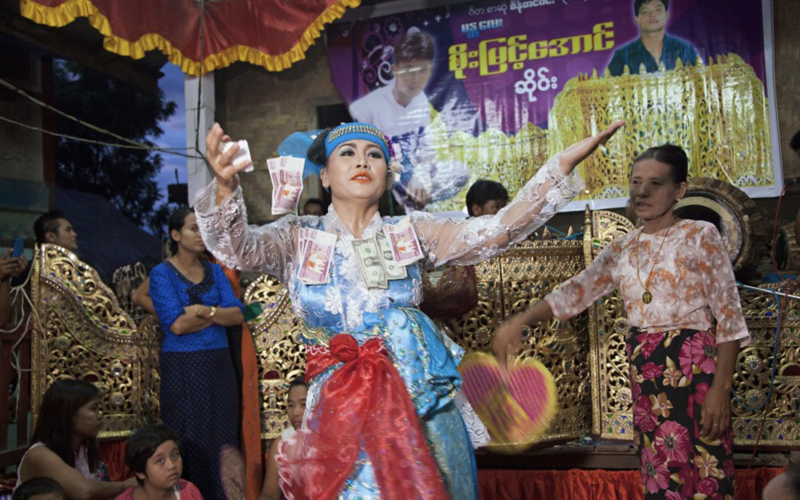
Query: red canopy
point(269, 33)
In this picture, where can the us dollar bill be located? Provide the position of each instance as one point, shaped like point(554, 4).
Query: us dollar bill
point(394, 271)
point(370, 263)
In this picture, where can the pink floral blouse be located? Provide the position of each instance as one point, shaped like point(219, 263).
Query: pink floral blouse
point(692, 282)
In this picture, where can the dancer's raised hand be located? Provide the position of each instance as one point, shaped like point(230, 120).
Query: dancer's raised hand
point(226, 173)
point(573, 155)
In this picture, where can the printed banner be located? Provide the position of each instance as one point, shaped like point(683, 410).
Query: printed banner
point(491, 89)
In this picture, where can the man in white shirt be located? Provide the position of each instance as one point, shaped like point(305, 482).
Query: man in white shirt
point(402, 111)
point(401, 106)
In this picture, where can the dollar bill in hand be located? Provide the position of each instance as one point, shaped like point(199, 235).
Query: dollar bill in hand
point(286, 174)
point(317, 257)
point(370, 263)
point(403, 241)
point(393, 270)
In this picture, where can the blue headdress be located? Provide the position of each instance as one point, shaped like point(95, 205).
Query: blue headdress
point(297, 144)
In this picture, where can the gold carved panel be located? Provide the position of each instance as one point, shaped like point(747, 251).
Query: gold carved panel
point(608, 326)
point(280, 357)
point(781, 424)
point(718, 112)
point(82, 332)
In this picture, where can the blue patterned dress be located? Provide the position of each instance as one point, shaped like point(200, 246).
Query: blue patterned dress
point(424, 357)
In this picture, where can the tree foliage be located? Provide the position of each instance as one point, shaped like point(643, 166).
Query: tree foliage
point(127, 177)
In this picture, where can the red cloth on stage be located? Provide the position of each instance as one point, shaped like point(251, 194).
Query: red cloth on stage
point(363, 401)
point(270, 33)
point(594, 484)
point(112, 453)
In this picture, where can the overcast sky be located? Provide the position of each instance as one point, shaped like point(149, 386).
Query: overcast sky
point(174, 128)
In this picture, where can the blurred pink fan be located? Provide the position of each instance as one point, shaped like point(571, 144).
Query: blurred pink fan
point(516, 409)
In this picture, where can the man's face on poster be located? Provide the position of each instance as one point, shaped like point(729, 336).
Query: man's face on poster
point(652, 17)
point(412, 75)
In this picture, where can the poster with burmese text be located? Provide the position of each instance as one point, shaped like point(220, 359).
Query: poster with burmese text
point(492, 89)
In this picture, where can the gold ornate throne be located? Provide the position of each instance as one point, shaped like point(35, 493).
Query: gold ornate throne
point(82, 332)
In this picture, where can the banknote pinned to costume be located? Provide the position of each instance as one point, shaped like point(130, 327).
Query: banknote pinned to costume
point(394, 271)
point(384, 256)
point(370, 262)
point(315, 254)
point(403, 242)
point(286, 173)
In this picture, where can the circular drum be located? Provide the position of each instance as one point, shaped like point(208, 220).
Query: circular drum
point(737, 217)
point(787, 253)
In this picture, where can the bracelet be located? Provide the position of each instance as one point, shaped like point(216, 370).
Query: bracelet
point(195, 311)
point(213, 312)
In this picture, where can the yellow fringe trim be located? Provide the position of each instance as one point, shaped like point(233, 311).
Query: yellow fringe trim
point(70, 10)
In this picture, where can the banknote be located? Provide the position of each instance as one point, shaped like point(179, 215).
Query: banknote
point(286, 174)
point(393, 270)
point(317, 257)
point(370, 262)
point(403, 241)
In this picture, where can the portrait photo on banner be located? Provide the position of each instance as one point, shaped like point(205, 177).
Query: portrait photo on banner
point(491, 89)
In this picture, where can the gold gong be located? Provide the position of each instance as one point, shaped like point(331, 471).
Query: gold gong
point(737, 217)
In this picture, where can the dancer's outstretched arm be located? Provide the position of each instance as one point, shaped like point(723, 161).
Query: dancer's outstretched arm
point(473, 240)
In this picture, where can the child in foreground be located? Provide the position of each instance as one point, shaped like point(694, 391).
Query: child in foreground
point(154, 456)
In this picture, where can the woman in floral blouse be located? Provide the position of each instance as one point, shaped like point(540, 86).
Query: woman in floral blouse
point(676, 279)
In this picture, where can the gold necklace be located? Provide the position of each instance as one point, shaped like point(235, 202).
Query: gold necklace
point(647, 297)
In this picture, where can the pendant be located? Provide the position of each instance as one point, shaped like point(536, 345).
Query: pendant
point(647, 297)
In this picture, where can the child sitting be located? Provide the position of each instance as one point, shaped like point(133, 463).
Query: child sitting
point(154, 456)
point(39, 488)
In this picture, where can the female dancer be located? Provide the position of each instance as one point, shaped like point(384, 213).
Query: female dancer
point(199, 394)
point(381, 418)
point(676, 278)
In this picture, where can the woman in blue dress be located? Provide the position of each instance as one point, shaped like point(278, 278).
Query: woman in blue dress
point(199, 395)
point(384, 418)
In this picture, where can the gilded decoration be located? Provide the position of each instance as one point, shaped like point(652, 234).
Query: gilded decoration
point(756, 366)
point(281, 356)
point(717, 112)
point(82, 332)
point(509, 160)
point(608, 326)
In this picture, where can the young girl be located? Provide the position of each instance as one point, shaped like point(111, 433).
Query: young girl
point(295, 408)
point(154, 456)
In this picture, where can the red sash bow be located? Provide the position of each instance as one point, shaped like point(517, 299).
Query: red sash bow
point(364, 401)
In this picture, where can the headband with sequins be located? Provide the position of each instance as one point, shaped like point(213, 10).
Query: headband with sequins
point(298, 143)
point(352, 131)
